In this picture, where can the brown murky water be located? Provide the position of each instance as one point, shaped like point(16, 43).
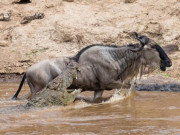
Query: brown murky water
point(153, 113)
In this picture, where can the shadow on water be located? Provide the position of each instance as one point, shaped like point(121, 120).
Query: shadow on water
point(172, 87)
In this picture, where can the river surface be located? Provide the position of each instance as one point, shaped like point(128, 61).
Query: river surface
point(145, 113)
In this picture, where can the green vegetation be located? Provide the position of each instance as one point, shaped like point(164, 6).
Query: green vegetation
point(159, 44)
point(35, 51)
point(13, 50)
point(166, 74)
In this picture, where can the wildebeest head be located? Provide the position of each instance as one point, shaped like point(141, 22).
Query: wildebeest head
point(153, 53)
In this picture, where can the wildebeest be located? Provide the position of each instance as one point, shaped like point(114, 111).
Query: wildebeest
point(40, 74)
point(105, 67)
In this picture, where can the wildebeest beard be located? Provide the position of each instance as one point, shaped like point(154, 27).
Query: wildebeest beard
point(132, 63)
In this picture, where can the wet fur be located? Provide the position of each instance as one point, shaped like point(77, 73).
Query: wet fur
point(40, 74)
point(102, 67)
point(106, 67)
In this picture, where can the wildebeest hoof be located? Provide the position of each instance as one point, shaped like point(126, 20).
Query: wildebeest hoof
point(98, 100)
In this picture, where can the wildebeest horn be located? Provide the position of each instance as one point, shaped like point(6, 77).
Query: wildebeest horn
point(143, 40)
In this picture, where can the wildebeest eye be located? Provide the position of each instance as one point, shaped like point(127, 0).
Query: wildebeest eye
point(153, 46)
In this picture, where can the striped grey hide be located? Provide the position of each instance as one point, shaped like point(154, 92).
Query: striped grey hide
point(102, 67)
point(107, 67)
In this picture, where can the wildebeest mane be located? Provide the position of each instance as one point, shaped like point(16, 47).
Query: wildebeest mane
point(77, 56)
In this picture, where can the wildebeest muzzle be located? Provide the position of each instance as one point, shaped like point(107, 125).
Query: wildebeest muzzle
point(165, 60)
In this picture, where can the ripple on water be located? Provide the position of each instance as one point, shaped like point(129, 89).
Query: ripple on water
point(144, 113)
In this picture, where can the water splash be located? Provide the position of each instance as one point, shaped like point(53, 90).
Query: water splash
point(81, 104)
point(121, 94)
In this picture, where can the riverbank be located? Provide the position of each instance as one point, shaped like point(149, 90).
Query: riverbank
point(67, 27)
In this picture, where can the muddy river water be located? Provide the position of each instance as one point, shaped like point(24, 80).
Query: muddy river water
point(153, 113)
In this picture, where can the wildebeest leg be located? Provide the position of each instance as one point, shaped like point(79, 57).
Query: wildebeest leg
point(32, 89)
point(98, 95)
point(119, 84)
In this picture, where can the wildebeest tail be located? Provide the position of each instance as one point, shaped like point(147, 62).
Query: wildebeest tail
point(20, 86)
